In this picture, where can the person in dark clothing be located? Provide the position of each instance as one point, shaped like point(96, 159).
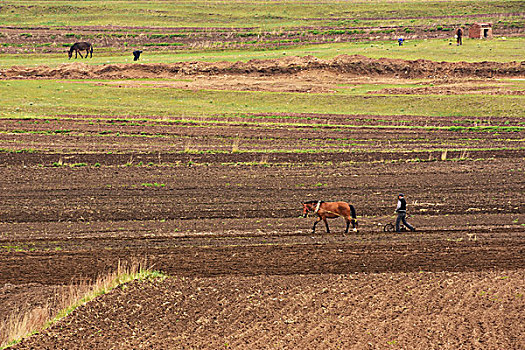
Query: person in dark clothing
point(401, 211)
point(459, 36)
point(136, 55)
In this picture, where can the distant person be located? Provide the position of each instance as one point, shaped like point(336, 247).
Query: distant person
point(401, 211)
point(400, 41)
point(459, 36)
point(136, 55)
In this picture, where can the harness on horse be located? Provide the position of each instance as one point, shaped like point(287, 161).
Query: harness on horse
point(317, 206)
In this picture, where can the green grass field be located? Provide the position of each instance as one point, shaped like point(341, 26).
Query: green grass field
point(47, 98)
point(498, 50)
point(260, 14)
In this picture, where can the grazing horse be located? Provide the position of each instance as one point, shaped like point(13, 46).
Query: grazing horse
point(330, 210)
point(77, 47)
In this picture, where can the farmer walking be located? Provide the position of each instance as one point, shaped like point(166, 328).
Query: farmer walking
point(459, 36)
point(401, 211)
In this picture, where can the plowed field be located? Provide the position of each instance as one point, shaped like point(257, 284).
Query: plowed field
point(231, 222)
point(354, 311)
point(215, 202)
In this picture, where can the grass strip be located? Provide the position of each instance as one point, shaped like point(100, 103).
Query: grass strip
point(511, 49)
point(51, 97)
point(269, 124)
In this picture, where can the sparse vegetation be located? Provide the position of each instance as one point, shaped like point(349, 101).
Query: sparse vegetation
point(155, 184)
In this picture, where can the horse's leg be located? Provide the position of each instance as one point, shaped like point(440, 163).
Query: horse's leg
point(326, 224)
point(80, 53)
point(353, 221)
point(315, 223)
point(354, 225)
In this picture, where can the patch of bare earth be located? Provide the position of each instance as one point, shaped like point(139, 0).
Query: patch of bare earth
point(326, 82)
point(459, 88)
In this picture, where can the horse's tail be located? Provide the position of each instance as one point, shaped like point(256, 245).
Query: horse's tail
point(91, 49)
point(354, 215)
point(352, 209)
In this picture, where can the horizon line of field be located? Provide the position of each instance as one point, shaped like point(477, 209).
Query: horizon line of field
point(352, 23)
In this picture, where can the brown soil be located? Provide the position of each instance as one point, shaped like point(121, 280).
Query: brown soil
point(451, 90)
point(368, 138)
point(218, 225)
point(479, 310)
point(324, 82)
point(344, 64)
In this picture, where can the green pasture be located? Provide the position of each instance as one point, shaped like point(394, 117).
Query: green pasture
point(241, 13)
point(44, 98)
point(498, 50)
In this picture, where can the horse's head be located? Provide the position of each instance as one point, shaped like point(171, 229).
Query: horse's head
point(70, 53)
point(306, 207)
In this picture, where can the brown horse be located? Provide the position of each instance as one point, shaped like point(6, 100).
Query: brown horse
point(83, 46)
point(331, 210)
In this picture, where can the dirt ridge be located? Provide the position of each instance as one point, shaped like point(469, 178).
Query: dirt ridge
point(342, 64)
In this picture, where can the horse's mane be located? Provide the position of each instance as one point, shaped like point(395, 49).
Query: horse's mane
point(312, 202)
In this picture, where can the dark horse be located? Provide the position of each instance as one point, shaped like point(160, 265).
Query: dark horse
point(330, 210)
point(77, 47)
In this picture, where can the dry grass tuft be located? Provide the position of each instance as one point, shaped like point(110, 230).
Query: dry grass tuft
point(444, 155)
point(235, 145)
point(21, 324)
